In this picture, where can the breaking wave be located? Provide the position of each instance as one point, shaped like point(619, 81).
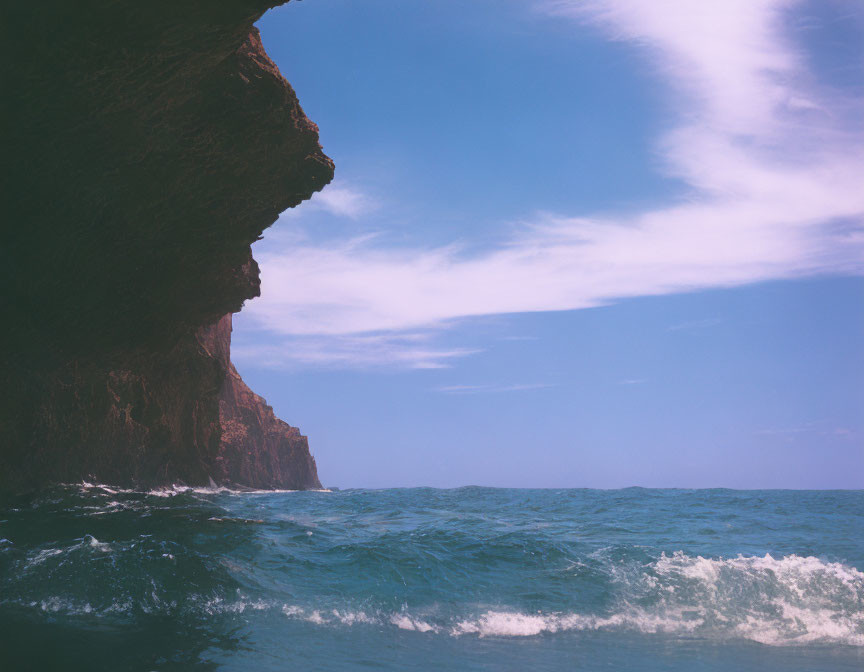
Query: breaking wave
point(786, 601)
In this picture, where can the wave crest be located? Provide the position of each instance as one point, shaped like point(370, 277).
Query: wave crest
point(785, 601)
point(780, 602)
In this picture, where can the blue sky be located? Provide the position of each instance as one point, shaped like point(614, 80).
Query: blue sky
point(572, 244)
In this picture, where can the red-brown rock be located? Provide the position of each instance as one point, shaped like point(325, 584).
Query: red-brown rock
point(256, 448)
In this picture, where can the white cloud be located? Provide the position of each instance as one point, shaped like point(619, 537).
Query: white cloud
point(402, 350)
point(775, 179)
point(337, 198)
point(478, 389)
point(729, 57)
point(695, 324)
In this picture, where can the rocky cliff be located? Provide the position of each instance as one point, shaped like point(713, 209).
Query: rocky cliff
point(146, 146)
point(256, 446)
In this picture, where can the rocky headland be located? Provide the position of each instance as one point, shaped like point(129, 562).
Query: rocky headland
point(146, 147)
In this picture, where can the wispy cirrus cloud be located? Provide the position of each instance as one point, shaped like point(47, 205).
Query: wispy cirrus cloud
point(819, 428)
point(480, 389)
point(695, 324)
point(340, 199)
point(403, 349)
point(731, 61)
point(774, 162)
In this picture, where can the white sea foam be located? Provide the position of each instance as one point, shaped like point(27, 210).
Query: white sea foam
point(57, 604)
point(349, 617)
point(93, 542)
point(106, 489)
point(312, 616)
point(518, 624)
point(776, 601)
point(219, 605)
point(221, 490)
point(177, 489)
point(41, 556)
point(405, 622)
point(331, 617)
point(507, 624)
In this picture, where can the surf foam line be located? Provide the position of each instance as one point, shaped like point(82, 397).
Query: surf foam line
point(788, 601)
point(178, 489)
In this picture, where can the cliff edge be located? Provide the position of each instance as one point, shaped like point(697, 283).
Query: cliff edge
point(146, 147)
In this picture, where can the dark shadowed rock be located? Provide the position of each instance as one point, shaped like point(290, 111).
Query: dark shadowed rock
point(146, 146)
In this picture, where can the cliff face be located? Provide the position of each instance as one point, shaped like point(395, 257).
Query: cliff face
point(146, 146)
point(256, 447)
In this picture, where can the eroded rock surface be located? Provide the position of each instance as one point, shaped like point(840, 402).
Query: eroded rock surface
point(146, 146)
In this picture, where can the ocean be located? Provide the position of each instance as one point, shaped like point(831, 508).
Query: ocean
point(99, 578)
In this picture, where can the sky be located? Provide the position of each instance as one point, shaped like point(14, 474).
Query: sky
point(572, 243)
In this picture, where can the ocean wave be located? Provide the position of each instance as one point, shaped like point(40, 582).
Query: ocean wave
point(783, 601)
point(787, 601)
point(87, 542)
point(422, 564)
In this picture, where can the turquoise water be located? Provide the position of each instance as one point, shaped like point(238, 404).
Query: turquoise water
point(97, 578)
